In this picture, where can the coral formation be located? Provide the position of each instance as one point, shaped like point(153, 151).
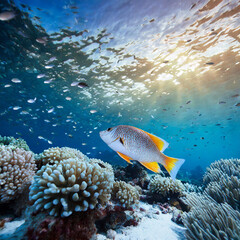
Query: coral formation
point(225, 190)
point(209, 220)
point(17, 143)
point(71, 185)
point(17, 168)
point(223, 182)
point(75, 227)
point(223, 167)
point(124, 193)
point(56, 154)
point(165, 186)
point(102, 164)
point(134, 173)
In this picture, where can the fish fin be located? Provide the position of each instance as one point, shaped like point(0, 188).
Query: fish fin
point(153, 166)
point(172, 165)
point(125, 157)
point(159, 142)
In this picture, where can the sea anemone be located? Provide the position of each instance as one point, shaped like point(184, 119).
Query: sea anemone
point(208, 220)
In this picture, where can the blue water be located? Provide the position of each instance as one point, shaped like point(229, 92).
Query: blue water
point(170, 68)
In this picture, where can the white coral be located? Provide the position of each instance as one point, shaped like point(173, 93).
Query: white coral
point(125, 193)
point(56, 154)
point(165, 186)
point(71, 185)
point(17, 168)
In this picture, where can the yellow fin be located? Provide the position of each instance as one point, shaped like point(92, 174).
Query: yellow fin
point(153, 166)
point(125, 157)
point(172, 165)
point(160, 143)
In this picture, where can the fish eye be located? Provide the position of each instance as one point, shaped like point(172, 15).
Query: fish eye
point(109, 129)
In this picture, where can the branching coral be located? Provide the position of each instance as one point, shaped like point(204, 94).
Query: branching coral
point(124, 193)
point(71, 185)
point(17, 143)
point(165, 186)
point(17, 168)
point(226, 167)
point(208, 220)
point(56, 154)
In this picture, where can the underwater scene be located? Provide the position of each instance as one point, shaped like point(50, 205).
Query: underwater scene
point(119, 120)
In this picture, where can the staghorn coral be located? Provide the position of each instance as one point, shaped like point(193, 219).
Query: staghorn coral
point(71, 185)
point(17, 168)
point(222, 168)
point(17, 143)
point(56, 154)
point(208, 220)
point(165, 186)
point(124, 193)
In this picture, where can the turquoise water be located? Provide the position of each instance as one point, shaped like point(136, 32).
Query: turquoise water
point(170, 68)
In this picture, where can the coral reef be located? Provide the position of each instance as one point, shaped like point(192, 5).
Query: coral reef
point(56, 154)
point(209, 220)
point(165, 187)
point(102, 164)
point(222, 168)
point(222, 181)
point(134, 173)
point(125, 194)
point(17, 143)
point(71, 185)
point(225, 190)
point(17, 168)
point(75, 227)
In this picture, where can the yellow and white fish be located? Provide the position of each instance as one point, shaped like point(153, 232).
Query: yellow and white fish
point(132, 143)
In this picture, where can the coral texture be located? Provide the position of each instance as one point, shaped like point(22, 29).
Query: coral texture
point(56, 154)
point(223, 182)
point(208, 220)
point(124, 193)
point(74, 227)
point(71, 185)
point(11, 141)
point(165, 186)
point(17, 168)
point(226, 167)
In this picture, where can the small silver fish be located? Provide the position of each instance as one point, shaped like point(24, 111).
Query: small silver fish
point(16, 80)
point(132, 143)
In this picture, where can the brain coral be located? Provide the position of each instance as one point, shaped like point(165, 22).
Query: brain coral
point(125, 193)
point(56, 154)
point(17, 168)
point(71, 185)
point(165, 186)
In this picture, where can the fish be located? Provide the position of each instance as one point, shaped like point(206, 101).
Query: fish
point(16, 80)
point(6, 16)
point(132, 143)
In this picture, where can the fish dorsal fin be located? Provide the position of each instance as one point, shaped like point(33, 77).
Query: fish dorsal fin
point(153, 166)
point(159, 142)
point(125, 157)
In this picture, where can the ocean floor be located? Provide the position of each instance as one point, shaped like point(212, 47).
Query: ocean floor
point(153, 226)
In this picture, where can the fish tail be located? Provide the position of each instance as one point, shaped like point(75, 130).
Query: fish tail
point(172, 165)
